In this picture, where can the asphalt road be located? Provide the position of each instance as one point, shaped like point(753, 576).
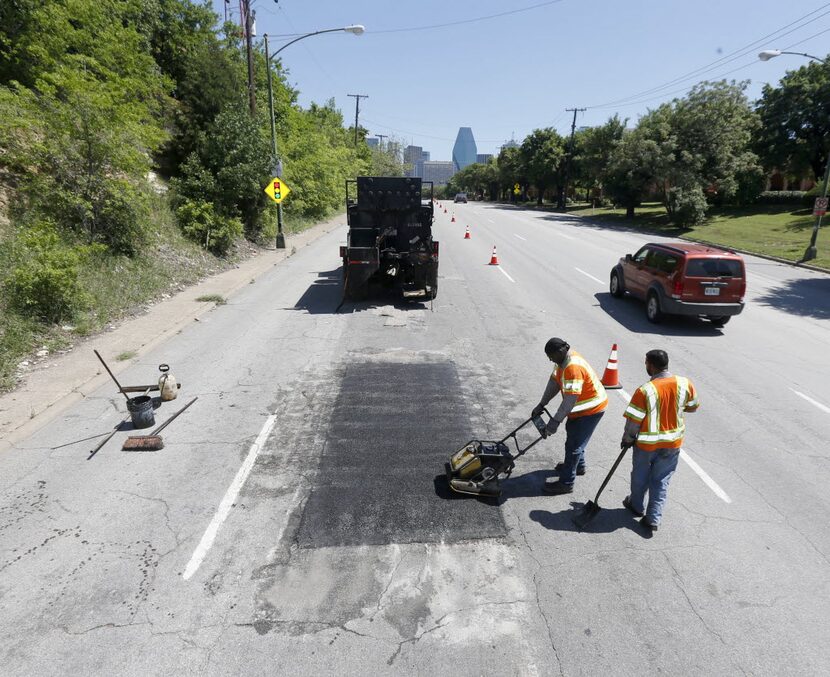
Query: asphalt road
point(295, 523)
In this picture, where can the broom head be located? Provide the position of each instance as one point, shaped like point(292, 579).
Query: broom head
point(143, 443)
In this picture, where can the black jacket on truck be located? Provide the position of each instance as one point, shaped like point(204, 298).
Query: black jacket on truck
point(390, 238)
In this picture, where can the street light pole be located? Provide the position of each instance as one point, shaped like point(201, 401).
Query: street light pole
point(356, 29)
point(811, 252)
point(280, 241)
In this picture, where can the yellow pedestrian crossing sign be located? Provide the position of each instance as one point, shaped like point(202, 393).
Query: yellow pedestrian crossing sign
point(277, 189)
point(516, 189)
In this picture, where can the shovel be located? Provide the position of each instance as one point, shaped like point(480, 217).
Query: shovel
point(592, 508)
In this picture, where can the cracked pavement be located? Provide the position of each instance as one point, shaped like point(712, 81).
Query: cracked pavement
point(92, 553)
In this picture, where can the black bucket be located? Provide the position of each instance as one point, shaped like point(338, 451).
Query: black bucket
point(141, 411)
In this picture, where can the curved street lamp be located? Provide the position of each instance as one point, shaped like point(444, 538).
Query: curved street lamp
point(768, 54)
point(354, 29)
point(811, 251)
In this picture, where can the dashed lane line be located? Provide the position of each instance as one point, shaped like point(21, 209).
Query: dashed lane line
point(700, 472)
point(596, 279)
point(228, 500)
point(819, 405)
point(506, 274)
point(523, 239)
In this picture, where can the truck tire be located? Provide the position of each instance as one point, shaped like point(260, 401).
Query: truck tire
point(616, 286)
point(653, 312)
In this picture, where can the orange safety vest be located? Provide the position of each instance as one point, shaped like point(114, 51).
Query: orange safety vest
point(575, 377)
point(658, 407)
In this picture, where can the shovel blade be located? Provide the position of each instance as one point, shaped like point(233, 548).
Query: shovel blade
point(588, 513)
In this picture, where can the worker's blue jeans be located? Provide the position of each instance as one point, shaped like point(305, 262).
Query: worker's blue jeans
point(651, 471)
point(579, 431)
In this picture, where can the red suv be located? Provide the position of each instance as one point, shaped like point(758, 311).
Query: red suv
point(683, 278)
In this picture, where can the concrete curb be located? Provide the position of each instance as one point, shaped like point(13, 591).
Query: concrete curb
point(53, 387)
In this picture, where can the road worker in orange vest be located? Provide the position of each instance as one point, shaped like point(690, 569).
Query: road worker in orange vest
point(583, 403)
point(655, 425)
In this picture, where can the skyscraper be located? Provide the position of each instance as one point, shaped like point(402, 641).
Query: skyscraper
point(464, 151)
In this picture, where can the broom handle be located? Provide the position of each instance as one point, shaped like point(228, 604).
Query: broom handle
point(111, 374)
point(170, 420)
point(610, 473)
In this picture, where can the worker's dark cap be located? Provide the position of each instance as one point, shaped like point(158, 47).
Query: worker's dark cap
point(556, 345)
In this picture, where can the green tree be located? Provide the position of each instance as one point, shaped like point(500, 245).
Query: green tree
point(795, 121)
point(713, 127)
point(594, 147)
point(542, 156)
point(632, 170)
point(510, 171)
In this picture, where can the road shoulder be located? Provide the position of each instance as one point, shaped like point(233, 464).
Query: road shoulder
point(61, 381)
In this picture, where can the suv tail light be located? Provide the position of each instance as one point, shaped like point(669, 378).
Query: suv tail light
point(434, 249)
point(677, 290)
point(742, 290)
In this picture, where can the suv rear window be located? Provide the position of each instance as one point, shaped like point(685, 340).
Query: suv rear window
point(714, 268)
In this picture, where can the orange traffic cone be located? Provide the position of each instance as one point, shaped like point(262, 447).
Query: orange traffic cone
point(494, 259)
point(467, 233)
point(611, 377)
point(452, 220)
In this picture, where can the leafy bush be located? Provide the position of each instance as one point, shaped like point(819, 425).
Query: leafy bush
point(781, 197)
point(687, 206)
point(200, 222)
point(44, 280)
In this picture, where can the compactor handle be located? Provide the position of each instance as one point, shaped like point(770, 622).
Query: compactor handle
point(538, 422)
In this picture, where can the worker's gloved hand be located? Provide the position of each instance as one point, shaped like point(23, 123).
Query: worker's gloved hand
point(537, 411)
point(626, 443)
point(552, 427)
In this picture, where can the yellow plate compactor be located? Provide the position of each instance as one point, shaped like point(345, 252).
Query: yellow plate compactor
point(480, 465)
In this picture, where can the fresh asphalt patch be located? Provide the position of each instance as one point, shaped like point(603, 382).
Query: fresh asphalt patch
point(393, 427)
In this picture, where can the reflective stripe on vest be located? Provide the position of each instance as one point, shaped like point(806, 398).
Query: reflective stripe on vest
point(652, 435)
point(600, 395)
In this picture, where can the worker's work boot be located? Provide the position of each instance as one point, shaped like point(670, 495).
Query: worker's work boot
point(557, 488)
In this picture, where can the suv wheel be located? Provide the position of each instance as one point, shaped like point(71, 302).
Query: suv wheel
point(718, 320)
point(653, 312)
point(616, 288)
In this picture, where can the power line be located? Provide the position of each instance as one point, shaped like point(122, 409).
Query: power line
point(686, 88)
point(469, 21)
point(732, 56)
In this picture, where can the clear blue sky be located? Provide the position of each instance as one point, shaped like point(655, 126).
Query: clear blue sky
point(511, 74)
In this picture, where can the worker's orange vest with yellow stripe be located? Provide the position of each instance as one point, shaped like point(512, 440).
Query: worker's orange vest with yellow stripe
point(658, 407)
point(576, 377)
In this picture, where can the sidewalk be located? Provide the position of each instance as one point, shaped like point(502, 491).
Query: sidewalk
point(62, 381)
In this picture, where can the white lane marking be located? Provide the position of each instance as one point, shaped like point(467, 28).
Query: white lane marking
point(508, 276)
point(520, 237)
point(714, 486)
point(228, 500)
point(489, 219)
point(596, 279)
point(700, 472)
point(567, 237)
point(812, 401)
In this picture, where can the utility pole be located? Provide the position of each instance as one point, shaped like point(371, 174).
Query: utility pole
point(382, 137)
point(563, 193)
point(245, 6)
point(357, 98)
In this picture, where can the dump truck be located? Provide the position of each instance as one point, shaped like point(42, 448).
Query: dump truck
point(390, 241)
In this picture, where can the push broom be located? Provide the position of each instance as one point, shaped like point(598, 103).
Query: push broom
point(153, 441)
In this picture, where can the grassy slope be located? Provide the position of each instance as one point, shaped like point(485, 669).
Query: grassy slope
point(118, 287)
point(774, 230)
